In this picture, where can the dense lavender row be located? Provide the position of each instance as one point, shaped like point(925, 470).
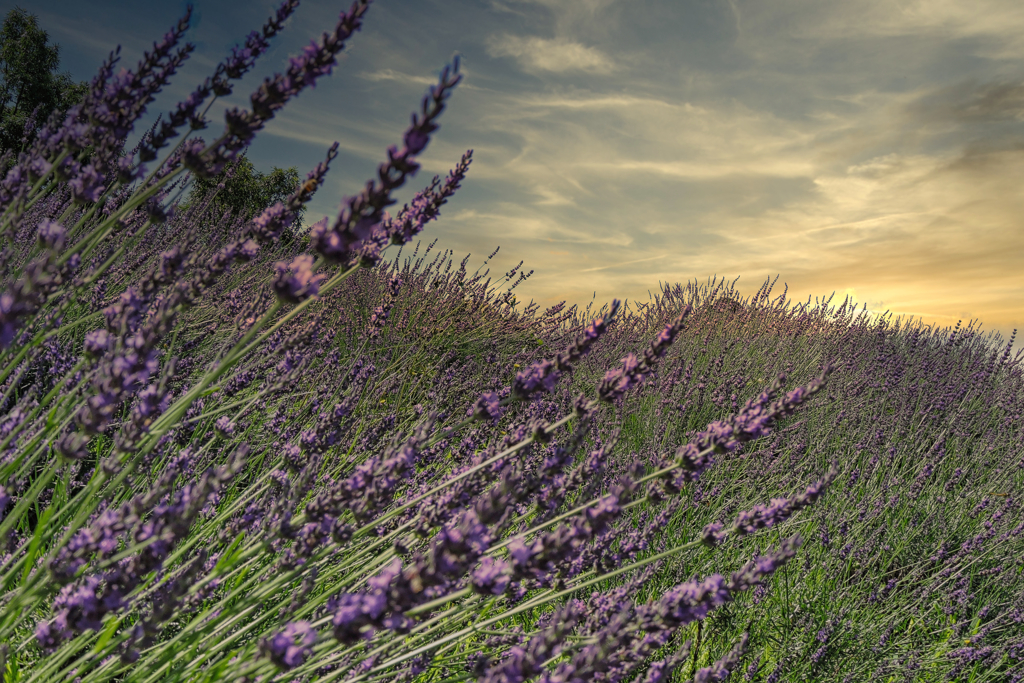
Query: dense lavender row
point(230, 451)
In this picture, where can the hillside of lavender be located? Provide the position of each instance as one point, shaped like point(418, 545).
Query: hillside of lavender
point(244, 450)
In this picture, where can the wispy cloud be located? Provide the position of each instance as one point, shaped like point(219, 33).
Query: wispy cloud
point(535, 54)
point(393, 75)
point(624, 263)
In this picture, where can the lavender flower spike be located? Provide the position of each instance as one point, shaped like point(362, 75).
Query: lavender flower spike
point(753, 421)
point(491, 577)
point(691, 601)
point(241, 126)
point(240, 61)
point(764, 516)
point(720, 670)
point(617, 382)
point(425, 205)
point(291, 646)
point(362, 213)
point(542, 375)
point(295, 282)
point(110, 118)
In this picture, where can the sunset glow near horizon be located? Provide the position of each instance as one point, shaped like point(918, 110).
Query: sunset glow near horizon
point(870, 148)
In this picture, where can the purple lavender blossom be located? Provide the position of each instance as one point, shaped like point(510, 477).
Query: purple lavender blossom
point(295, 282)
point(98, 342)
point(720, 670)
point(523, 663)
point(268, 225)
point(380, 314)
point(491, 577)
point(487, 407)
point(291, 646)
point(88, 186)
point(11, 310)
point(224, 426)
point(543, 375)
point(241, 126)
point(617, 382)
point(51, 235)
point(236, 66)
point(363, 212)
point(764, 516)
point(411, 220)
point(111, 107)
point(754, 420)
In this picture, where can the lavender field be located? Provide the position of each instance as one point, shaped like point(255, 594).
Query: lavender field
point(240, 450)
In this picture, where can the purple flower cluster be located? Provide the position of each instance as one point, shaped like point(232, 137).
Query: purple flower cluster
point(40, 278)
point(268, 225)
point(233, 68)
point(543, 375)
point(373, 484)
point(294, 281)
point(754, 420)
point(411, 220)
point(398, 589)
point(362, 213)
point(764, 516)
point(547, 555)
point(380, 314)
point(617, 382)
point(317, 59)
point(527, 662)
point(83, 602)
point(101, 121)
point(291, 646)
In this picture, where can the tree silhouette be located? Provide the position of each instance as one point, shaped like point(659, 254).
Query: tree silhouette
point(247, 192)
point(29, 82)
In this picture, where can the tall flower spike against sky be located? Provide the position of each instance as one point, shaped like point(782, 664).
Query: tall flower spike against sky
point(869, 148)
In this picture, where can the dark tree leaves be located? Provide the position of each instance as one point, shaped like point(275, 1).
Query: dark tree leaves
point(29, 81)
point(248, 191)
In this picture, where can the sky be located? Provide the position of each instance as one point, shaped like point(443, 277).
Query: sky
point(870, 148)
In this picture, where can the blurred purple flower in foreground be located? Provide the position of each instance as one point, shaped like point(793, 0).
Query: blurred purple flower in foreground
point(294, 282)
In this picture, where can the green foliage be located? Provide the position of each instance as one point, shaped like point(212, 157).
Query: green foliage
point(29, 79)
point(247, 192)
